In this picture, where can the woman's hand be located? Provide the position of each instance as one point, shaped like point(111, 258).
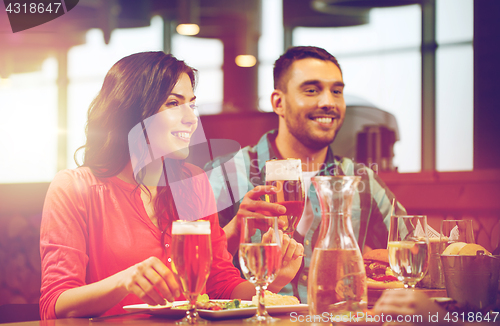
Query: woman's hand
point(151, 281)
point(292, 253)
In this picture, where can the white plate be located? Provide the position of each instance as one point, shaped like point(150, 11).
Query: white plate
point(212, 314)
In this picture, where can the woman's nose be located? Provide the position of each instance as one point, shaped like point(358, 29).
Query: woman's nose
point(189, 115)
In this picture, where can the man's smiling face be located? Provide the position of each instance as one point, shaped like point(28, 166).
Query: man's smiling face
point(313, 102)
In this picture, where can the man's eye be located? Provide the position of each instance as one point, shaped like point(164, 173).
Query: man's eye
point(310, 91)
point(337, 92)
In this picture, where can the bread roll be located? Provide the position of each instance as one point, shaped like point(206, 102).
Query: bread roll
point(471, 249)
point(377, 255)
point(454, 248)
point(273, 299)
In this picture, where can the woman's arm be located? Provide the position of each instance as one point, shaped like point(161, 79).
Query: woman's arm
point(243, 291)
point(64, 246)
point(149, 280)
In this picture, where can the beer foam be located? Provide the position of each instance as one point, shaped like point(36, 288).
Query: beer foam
point(201, 227)
point(283, 170)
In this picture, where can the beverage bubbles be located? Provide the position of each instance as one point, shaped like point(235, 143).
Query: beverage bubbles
point(286, 177)
point(191, 255)
point(260, 261)
point(260, 258)
point(289, 169)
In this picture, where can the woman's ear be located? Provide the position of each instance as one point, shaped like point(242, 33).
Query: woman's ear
point(277, 101)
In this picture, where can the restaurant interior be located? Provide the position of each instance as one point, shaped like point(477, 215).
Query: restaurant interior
point(421, 92)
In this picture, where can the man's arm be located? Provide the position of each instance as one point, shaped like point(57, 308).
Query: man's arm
point(251, 205)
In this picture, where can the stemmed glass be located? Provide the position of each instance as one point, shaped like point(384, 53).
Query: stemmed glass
point(409, 248)
point(191, 261)
point(286, 176)
point(260, 258)
point(456, 231)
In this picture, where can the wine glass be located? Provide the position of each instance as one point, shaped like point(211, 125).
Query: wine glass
point(286, 177)
point(191, 261)
point(453, 231)
point(260, 258)
point(408, 248)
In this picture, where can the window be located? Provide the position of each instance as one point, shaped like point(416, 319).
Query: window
point(454, 85)
point(209, 65)
point(381, 63)
point(28, 125)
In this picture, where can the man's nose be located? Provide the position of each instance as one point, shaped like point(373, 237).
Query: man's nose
point(327, 100)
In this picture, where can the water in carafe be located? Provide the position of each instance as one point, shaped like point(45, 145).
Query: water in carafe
point(337, 278)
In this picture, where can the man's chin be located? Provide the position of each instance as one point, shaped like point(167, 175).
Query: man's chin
point(316, 143)
point(314, 139)
point(319, 141)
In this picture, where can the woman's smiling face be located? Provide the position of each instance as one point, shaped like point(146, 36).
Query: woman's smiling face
point(170, 130)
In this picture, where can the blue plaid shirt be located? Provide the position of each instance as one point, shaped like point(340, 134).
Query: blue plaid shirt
point(232, 176)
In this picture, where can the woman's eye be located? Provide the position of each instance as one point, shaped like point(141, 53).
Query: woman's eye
point(171, 104)
point(193, 106)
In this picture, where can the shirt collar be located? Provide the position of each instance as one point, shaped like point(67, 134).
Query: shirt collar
point(266, 151)
point(265, 148)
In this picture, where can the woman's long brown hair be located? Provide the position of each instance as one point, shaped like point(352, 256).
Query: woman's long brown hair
point(133, 90)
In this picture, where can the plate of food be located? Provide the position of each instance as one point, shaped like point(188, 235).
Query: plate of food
point(380, 277)
point(222, 309)
point(379, 274)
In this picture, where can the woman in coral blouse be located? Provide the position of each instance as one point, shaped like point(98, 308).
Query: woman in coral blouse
point(106, 225)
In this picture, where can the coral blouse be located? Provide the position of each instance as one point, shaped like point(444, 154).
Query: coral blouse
point(95, 227)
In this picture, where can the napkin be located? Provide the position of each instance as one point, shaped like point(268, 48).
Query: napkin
point(431, 233)
point(454, 234)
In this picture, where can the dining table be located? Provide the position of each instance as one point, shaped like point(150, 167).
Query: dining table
point(144, 319)
point(290, 317)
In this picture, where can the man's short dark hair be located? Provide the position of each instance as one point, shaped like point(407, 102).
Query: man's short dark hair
point(293, 54)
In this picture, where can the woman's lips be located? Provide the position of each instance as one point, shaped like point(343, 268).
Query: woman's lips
point(182, 135)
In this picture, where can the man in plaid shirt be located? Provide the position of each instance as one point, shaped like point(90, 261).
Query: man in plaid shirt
point(308, 98)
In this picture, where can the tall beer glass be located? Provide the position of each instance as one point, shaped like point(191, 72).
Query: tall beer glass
point(260, 258)
point(191, 261)
point(286, 176)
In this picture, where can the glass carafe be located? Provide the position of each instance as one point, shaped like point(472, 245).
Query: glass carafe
point(337, 278)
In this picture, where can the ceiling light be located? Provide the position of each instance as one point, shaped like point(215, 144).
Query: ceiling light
point(188, 17)
point(187, 29)
point(245, 60)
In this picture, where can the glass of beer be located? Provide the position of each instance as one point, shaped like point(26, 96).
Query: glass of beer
point(286, 176)
point(191, 261)
point(408, 248)
point(260, 258)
